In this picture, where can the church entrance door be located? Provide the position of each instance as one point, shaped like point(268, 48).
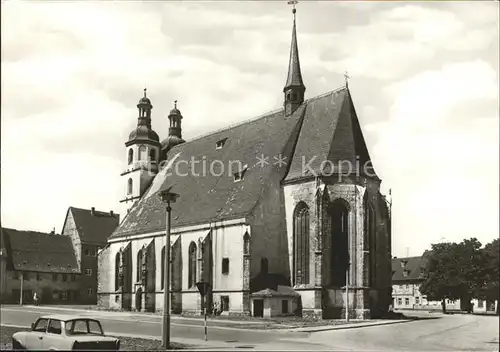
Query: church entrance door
point(138, 299)
point(258, 308)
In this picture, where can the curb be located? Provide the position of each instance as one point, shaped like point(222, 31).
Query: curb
point(347, 326)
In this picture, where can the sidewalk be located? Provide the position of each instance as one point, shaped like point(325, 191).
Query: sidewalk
point(74, 309)
point(353, 325)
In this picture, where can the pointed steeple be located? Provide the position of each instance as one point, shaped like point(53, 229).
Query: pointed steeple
point(294, 88)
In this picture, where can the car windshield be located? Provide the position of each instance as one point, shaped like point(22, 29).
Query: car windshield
point(83, 327)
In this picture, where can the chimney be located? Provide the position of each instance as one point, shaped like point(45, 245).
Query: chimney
point(111, 213)
point(92, 211)
point(53, 231)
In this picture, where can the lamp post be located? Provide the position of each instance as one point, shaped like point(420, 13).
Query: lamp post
point(167, 197)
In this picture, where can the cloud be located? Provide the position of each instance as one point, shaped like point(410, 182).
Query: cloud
point(424, 83)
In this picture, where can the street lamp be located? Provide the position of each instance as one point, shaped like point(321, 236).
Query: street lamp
point(167, 197)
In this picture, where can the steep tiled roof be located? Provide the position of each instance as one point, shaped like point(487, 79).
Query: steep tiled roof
point(415, 269)
point(330, 131)
point(36, 251)
point(94, 228)
point(206, 198)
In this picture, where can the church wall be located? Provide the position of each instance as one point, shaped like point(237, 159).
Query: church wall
point(105, 278)
point(295, 193)
point(268, 238)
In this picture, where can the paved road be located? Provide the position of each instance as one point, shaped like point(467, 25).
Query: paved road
point(460, 332)
point(182, 329)
point(434, 332)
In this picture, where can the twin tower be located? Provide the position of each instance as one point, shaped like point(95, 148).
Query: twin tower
point(145, 152)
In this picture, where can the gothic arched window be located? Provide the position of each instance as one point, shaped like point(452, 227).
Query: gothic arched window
point(340, 242)
point(139, 265)
point(130, 156)
point(142, 152)
point(301, 244)
point(117, 271)
point(129, 186)
point(152, 155)
point(162, 268)
point(192, 265)
point(246, 243)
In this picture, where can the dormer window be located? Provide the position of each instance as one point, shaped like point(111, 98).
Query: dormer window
point(220, 143)
point(403, 263)
point(238, 176)
point(405, 273)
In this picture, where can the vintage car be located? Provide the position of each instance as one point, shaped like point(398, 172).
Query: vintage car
point(64, 332)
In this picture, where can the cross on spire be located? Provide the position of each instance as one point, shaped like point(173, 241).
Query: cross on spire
point(293, 3)
point(175, 104)
point(346, 77)
point(145, 89)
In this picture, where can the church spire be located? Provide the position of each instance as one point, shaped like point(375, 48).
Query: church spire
point(294, 88)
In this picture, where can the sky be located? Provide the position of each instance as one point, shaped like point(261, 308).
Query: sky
point(424, 81)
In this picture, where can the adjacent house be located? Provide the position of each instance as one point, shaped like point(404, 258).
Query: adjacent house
point(38, 262)
point(88, 230)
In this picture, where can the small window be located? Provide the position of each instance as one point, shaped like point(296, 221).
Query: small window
point(54, 277)
point(405, 273)
point(41, 325)
point(417, 300)
point(87, 253)
point(64, 277)
point(400, 301)
point(129, 186)
point(284, 306)
point(225, 266)
point(73, 277)
point(88, 272)
point(90, 291)
point(238, 176)
point(54, 327)
point(220, 143)
point(480, 303)
point(130, 156)
point(224, 303)
point(407, 301)
point(152, 154)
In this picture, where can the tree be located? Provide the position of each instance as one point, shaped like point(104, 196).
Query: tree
point(453, 271)
point(489, 288)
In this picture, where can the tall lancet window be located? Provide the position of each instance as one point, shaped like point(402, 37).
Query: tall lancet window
point(117, 271)
point(340, 242)
point(192, 265)
point(162, 268)
point(139, 265)
point(301, 244)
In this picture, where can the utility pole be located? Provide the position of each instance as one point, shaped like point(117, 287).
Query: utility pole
point(21, 294)
point(167, 197)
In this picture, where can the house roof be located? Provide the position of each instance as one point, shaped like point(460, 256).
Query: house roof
point(322, 128)
point(41, 252)
point(94, 226)
point(282, 291)
point(413, 267)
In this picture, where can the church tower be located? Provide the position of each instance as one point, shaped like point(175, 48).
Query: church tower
point(294, 88)
point(174, 132)
point(142, 155)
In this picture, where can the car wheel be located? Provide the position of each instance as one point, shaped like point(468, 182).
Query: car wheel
point(17, 346)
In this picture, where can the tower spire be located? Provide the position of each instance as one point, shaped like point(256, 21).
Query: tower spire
point(294, 87)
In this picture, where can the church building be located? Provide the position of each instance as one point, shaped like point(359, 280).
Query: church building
point(289, 198)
